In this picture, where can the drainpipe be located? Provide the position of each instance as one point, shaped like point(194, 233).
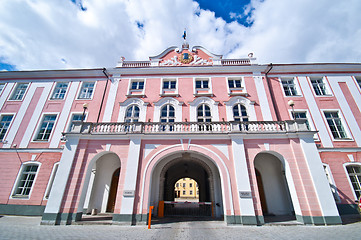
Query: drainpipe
point(105, 90)
point(268, 69)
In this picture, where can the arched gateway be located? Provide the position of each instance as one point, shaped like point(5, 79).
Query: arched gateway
point(187, 164)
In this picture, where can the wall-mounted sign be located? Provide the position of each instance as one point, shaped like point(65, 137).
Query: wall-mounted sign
point(128, 193)
point(245, 194)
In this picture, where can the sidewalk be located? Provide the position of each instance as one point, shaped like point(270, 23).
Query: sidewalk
point(18, 227)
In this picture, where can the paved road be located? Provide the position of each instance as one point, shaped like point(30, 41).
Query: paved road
point(13, 227)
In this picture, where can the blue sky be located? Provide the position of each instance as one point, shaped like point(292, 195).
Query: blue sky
point(64, 34)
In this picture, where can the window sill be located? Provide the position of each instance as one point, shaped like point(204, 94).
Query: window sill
point(203, 94)
point(169, 95)
point(238, 94)
point(135, 95)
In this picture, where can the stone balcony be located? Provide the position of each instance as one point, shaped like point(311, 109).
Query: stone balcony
point(255, 127)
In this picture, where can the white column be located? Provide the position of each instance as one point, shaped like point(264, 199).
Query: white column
point(262, 97)
point(320, 182)
point(315, 112)
point(61, 178)
point(111, 100)
point(242, 177)
point(130, 176)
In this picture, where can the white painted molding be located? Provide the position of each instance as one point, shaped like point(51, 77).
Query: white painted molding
point(213, 105)
point(249, 105)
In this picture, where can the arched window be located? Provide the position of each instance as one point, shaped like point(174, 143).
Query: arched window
point(167, 113)
point(240, 113)
point(132, 114)
point(204, 113)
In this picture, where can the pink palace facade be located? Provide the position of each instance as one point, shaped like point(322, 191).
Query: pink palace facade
point(227, 123)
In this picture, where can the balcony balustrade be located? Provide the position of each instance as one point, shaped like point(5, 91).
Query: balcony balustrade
point(255, 127)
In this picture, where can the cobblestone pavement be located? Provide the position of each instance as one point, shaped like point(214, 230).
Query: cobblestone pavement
point(15, 227)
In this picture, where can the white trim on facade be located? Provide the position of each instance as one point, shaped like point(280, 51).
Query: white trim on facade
point(37, 112)
point(248, 104)
point(315, 112)
point(262, 97)
point(346, 110)
point(51, 180)
point(170, 92)
point(5, 93)
point(108, 112)
point(81, 87)
point(71, 95)
point(38, 127)
point(137, 92)
point(332, 182)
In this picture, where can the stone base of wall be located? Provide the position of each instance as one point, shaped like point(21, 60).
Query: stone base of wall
point(23, 210)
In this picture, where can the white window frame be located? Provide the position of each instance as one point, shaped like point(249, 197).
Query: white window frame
point(295, 84)
point(241, 91)
point(249, 105)
point(348, 177)
point(2, 89)
point(343, 122)
point(70, 120)
point(174, 92)
point(132, 118)
point(17, 181)
point(165, 101)
point(210, 102)
point(36, 133)
point(12, 120)
point(136, 92)
point(327, 87)
point(51, 180)
point(308, 117)
point(81, 88)
point(133, 101)
point(358, 81)
point(204, 117)
point(55, 87)
point(15, 89)
point(332, 183)
point(209, 89)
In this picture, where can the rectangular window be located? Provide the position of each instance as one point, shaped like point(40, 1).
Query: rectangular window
point(26, 180)
point(202, 83)
point(177, 184)
point(190, 192)
point(60, 91)
point(137, 85)
point(289, 86)
point(169, 84)
point(86, 91)
point(2, 85)
point(74, 119)
point(319, 86)
point(354, 173)
point(335, 124)
point(184, 185)
point(19, 91)
point(4, 125)
point(301, 116)
point(184, 192)
point(190, 185)
point(235, 83)
point(46, 128)
point(358, 79)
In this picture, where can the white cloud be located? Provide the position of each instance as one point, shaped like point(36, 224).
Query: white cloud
point(42, 34)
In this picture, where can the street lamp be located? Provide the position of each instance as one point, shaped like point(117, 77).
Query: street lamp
point(291, 103)
point(85, 107)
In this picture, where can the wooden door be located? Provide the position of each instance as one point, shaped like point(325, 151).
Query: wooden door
point(113, 191)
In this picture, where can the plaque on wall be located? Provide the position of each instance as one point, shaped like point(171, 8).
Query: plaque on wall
point(245, 194)
point(128, 193)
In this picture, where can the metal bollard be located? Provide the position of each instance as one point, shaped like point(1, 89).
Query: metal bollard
point(150, 216)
